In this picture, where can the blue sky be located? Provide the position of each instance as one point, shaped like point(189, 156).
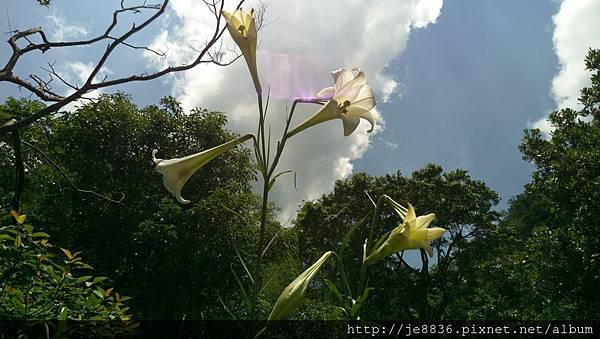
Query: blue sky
point(457, 81)
point(472, 82)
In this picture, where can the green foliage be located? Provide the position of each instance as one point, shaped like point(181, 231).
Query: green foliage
point(463, 206)
point(543, 261)
point(173, 259)
point(41, 282)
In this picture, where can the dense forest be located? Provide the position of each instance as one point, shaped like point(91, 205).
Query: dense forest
point(99, 237)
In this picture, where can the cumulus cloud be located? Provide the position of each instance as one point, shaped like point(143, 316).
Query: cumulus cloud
point(60, 29)
point(576, 28)
point(304, 40)
point(76, 73)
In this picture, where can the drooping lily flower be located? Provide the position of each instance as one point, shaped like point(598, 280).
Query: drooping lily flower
point(242, 28)
point(176, 172)
point(413, 233)
point(350, 99)
point(293, 294)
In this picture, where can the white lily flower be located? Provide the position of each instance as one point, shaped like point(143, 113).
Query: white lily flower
point(350, 99)
point(413, 233)
point(242, 28)
point(177, 171)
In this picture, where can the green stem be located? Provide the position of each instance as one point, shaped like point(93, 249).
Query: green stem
point(267, 174)
point(367, 246)
point(284, 138)
point(343, 273)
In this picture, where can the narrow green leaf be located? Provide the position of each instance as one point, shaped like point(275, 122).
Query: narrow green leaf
point(380, 241)
point(63, 313)
point(242, 289)
point(349, 234)
point(67, 253)
point(244, 265)
point(84, 279)
point(272, 182)
point(6, 237)
point(99, 279)
point(334, 289)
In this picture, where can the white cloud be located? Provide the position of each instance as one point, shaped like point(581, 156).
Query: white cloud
point(60, 30)
point(576, 28)
point(303, 42)
point(76, 73)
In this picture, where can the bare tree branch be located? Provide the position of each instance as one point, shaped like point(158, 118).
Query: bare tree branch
point(42, 89)
point(64, 175)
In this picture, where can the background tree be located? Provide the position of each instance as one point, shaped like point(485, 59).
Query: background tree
point(543, 262)
point(35, 40)
point(174, 260)
point(403, 290)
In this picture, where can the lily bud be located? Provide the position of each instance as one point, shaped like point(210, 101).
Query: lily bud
point(242, 28)
point(293, 294)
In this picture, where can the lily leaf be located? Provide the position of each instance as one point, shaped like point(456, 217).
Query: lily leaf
point(272, 182)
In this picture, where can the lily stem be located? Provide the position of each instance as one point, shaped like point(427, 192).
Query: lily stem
point(267, 173)
point(367, 246)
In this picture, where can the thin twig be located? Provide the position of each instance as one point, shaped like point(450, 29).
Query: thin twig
point(19, 170)
point(61, 172)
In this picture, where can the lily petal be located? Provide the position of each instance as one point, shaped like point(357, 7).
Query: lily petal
point(328, 112)
point(434, 233)
point(351, 88)
point(361, 113)
point(353, 98)
point(410, 214)
point(350, 123)
point(423, 221)
point(413, 233)
point(177, 171)
point(365, 98)
point(326, 93)
point(341, 77)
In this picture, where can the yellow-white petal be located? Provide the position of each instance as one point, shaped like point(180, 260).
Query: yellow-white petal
point(413, 233)
point(328, 112)
point(434, 233)
point(361, 113)
point(423, 221)
point(176, 172)
point(350, 123)
point(351, 89)
point(326, 93)
point(410, 214)
point(341, 77)
point(365, 98)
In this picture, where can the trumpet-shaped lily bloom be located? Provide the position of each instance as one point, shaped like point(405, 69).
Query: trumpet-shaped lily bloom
point(350, 99)
point(293, 294)
point(242, 28)
point(176, 172)
point(413, 233)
